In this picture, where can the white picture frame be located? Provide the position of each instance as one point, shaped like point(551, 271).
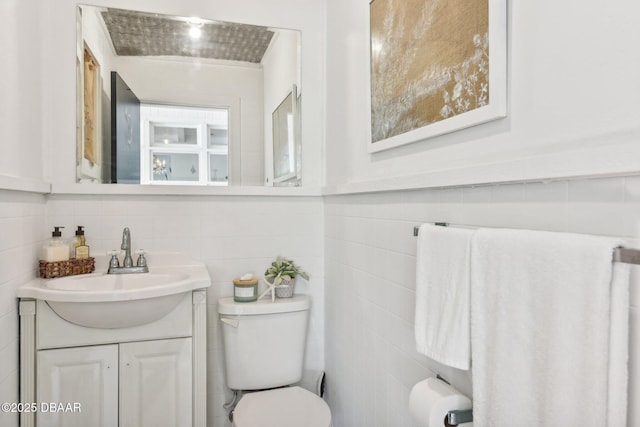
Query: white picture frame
point(495, 108)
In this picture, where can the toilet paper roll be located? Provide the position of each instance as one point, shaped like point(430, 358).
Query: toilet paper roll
point(430, 401)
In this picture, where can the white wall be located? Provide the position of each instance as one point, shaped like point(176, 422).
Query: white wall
point(22, 86)
point(281, 71)
point(232, 235)
point(21, 231)
point(371, 362)
point(206, 85)
point(58, 38)
point(572, 112)
point(21, 164)
point(95, 36)
point(572, 103)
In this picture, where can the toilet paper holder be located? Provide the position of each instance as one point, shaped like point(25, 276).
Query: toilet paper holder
point(459, 417)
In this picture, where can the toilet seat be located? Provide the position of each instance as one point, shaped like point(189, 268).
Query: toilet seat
point(282, 407)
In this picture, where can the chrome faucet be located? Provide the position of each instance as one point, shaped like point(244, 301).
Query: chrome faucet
point(127, 262)
point(126, 246)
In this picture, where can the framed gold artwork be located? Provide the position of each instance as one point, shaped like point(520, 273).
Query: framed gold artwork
point(437, 66)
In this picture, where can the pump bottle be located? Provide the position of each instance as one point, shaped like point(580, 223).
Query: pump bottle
point(79, 249)
point(56, 248)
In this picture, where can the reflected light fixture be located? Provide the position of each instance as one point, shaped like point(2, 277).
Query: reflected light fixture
point(195, 27)
point(160, 167)
point(195, 32)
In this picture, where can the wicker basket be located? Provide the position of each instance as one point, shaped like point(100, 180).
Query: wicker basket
point(50, 270)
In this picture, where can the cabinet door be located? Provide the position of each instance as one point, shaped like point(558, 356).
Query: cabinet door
point(155, 383)
point(78, 387)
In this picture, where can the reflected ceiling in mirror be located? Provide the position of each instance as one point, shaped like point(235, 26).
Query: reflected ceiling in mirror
point(176, 36)
point(139, 72)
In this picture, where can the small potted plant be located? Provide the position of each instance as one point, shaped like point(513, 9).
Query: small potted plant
point(282, 275)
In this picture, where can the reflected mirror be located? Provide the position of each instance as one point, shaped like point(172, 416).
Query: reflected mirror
point(185, 101)
point(285, 138)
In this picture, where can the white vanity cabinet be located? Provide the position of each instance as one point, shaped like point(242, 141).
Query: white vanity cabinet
point(83, 376)
point(148, 375)
point(155, 383)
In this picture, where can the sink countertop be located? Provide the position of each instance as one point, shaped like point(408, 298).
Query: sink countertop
point(169, 273)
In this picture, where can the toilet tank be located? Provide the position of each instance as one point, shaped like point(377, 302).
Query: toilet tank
point(264, 341)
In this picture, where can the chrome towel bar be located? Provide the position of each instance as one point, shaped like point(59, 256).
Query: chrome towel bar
point(626, 255)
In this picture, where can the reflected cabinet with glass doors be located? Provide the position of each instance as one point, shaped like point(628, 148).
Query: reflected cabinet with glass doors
point(183, 145)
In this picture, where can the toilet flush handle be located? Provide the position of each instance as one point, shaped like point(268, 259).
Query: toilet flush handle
point(231, 322)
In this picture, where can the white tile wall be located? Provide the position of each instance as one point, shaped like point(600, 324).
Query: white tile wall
point(21, 230)
point(232, 235)
point(359, 250)
point(370, 359)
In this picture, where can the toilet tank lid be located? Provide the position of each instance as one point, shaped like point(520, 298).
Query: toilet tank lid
point(263, 306)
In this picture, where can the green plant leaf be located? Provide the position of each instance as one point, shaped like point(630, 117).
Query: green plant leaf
point(283, 268)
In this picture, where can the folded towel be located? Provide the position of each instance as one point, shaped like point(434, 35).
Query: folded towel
point(442, 295)
point(548, 330)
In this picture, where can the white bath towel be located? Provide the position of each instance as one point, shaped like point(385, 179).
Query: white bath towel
point(442, 295)
point(549, 330)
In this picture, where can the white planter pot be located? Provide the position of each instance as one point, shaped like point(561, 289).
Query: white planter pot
point(286, 288)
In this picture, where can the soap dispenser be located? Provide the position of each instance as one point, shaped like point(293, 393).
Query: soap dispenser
point(56, 248)
point(80, 250)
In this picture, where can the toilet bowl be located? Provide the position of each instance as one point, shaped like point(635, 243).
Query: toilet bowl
point(282, 407)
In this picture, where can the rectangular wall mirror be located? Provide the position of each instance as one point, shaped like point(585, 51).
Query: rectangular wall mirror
point(170, 100)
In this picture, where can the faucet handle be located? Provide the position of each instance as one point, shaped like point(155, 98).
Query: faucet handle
point(114, 263)
point(142, 261)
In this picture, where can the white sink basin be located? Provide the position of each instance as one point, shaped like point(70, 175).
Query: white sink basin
point(101, 300)
point(101, 282)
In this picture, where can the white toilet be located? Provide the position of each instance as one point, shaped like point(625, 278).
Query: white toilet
point(264, 345)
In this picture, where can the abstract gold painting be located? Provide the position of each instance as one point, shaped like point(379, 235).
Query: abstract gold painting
point(430, 61)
